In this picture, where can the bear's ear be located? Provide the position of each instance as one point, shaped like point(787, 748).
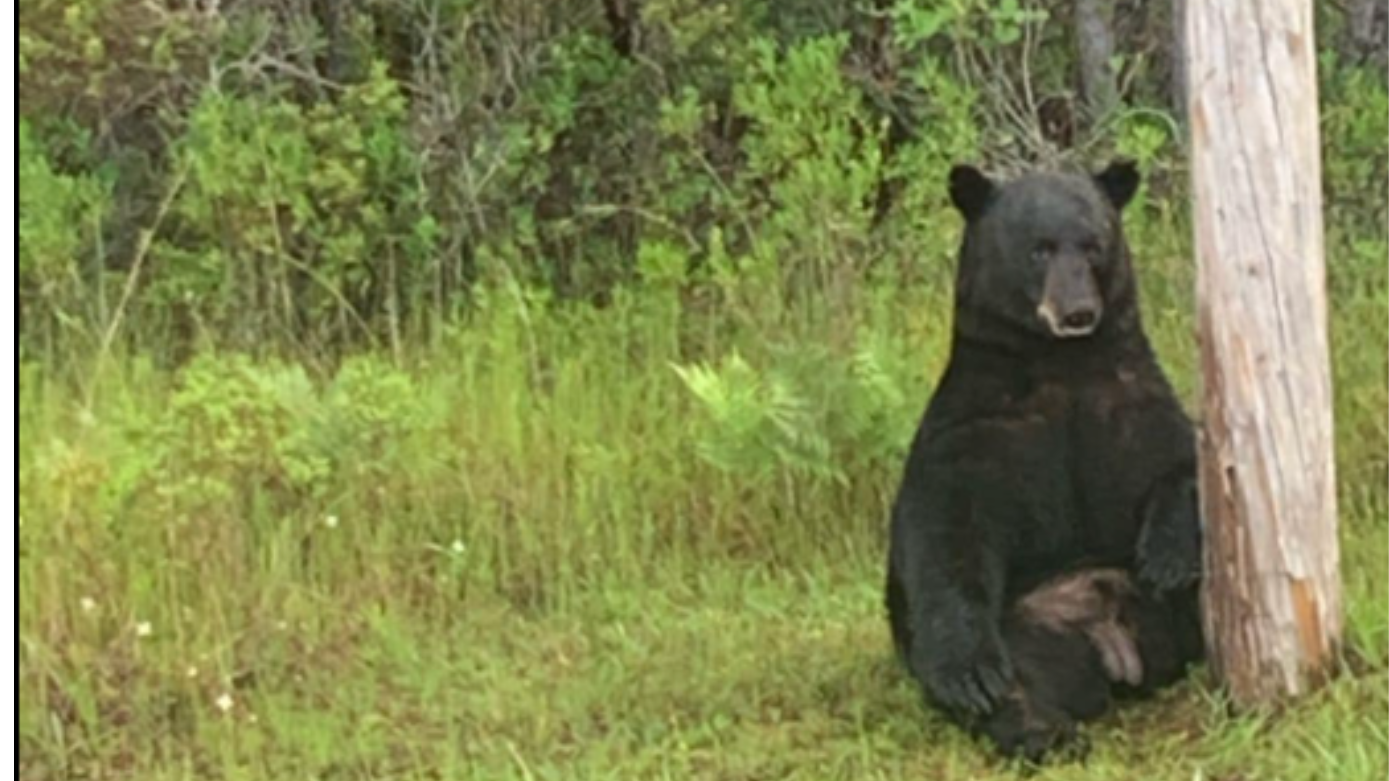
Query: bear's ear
point(970, 190)
point(1119, 182)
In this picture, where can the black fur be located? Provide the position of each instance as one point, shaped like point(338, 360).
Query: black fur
point(1046, 449)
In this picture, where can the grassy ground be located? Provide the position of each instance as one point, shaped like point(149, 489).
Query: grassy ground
point(529, 551)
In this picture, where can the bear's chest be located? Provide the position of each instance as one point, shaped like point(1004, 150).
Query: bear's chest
point(1076, 460)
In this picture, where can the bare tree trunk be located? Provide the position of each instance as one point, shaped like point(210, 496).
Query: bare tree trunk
point(1367, 30)
point(1094, 32)
point(1272, 594)
point(1176, 60)
point(334, 16)
point(622, 25)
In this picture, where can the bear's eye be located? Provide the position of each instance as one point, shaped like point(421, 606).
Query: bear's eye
point(1044, 250)
point(1090, 247)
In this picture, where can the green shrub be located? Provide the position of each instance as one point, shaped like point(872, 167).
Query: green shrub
point(310, 224)
point(60, 224)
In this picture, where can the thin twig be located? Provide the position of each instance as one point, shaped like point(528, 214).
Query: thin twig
point(132, 279)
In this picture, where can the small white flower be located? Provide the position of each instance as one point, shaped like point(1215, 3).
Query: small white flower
point(192, 672)
point(144, 629)
point(87, 604)
point(225, 703)
point(458, 548)
point(330, 521)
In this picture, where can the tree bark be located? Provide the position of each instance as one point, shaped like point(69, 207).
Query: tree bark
point(1367, 31)
point(1177, 61)
point(1271, 594)
point(1094, 31)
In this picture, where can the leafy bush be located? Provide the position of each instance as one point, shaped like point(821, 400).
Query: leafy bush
point(295, 222)
point(232, 434)
point(60, 223)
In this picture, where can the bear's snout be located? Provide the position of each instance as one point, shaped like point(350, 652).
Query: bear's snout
point(1070, 305)
point(1073, 323)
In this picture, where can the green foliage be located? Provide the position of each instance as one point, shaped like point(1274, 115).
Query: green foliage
point(815, 157)
point(1355, 122)
point(315, 220)
point(345, 175)
point(814, 412)
point(58, 215)
point(1001, 23)
point(508, 390)
point(759, 424)
point(230, 434)
point(237, 434)
point(369, 420)
point(488, 539)
point(98, 59)
point(60, 222)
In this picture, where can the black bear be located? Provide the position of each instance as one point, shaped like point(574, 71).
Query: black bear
point(1046, 539)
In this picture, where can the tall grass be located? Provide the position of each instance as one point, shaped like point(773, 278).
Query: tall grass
point(448, 390)
point(557, 523)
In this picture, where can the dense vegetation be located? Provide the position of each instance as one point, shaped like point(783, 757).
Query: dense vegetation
point(500, 388)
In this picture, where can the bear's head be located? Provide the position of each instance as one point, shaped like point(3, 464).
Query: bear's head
point(1044, 255)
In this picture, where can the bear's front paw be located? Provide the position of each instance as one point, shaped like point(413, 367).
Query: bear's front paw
point(1164, 571)
point(972, 681)
point(1169, 545)
point(1023, 730)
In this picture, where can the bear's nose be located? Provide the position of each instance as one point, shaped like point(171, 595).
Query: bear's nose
point(1079, 320)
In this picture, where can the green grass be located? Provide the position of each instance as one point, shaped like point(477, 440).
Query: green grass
point(742, 672)
point(528, 551)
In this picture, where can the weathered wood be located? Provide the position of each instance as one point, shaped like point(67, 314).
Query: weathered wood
point(1177, 62)
point(1272, 595)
